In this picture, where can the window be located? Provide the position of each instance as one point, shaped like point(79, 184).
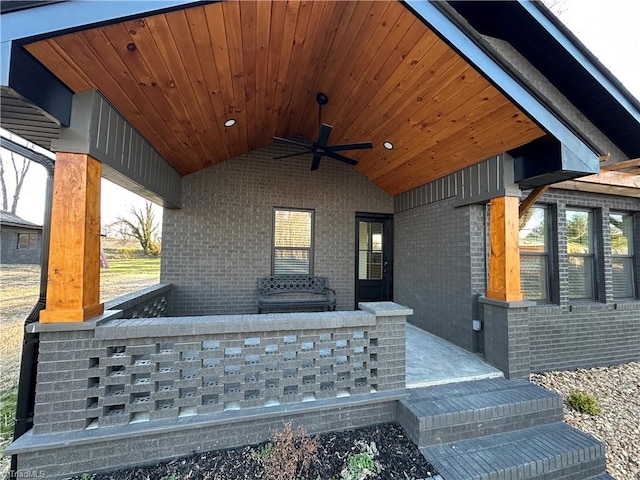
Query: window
point(622, 255)
point(534, 254)
point(580, 254)
point(370, 261)
point(292, 242)
point(27, 241)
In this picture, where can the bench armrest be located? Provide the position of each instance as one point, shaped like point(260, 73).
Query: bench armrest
point(331, 294)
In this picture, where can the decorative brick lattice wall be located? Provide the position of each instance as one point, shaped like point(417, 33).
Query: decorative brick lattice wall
point(176, 379)
point(145, 303)
point(133, 371)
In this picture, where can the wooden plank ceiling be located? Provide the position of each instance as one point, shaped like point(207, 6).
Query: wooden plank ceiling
point(178, 76)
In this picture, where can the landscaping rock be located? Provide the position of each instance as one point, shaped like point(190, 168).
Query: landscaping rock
point(617, 389)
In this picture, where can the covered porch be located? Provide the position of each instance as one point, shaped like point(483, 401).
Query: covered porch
point(180, 103)
point(158, 98)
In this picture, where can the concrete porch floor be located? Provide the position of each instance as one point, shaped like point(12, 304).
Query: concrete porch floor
point(434, 361)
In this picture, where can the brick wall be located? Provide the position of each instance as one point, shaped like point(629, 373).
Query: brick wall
point(439, 267)
point(566, 334)
point(144, 303)
point(141, 370)
point(219, 243)
point(147, 448)
point(506, 336)
point(202, 383)
point(440, 270)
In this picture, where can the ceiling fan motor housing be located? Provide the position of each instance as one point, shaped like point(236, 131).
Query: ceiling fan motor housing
point(322, 99)
point(319, 148)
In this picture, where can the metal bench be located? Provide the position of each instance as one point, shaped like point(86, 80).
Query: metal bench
point(295, 292)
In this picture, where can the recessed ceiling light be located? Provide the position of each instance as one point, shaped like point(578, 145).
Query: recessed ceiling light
point(388, 145)
point(230, 123)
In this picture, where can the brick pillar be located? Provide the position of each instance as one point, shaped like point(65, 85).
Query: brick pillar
point(506, 336)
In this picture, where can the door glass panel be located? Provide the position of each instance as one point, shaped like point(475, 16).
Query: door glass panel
point(370, 261)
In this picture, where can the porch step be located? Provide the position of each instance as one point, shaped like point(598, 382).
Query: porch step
point(555, 451)
point(458, 411)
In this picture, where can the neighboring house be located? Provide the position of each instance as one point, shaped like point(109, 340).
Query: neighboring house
point(499, 201)
point(20, 240)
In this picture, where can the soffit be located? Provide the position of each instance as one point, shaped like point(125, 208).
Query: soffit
point(177, 76)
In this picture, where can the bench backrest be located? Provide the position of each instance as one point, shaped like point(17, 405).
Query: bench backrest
point(292, 283)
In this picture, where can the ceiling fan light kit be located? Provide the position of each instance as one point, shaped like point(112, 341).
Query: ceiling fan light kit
point(320, 148)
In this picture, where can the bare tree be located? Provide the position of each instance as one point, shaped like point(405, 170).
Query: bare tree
point(20, 169)
point(143, 227)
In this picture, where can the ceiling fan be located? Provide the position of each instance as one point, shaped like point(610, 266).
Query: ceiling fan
point(319, 148)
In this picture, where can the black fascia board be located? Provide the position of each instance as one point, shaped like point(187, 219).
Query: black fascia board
point(28, 77)
point(49, 19)
point(20, 27)
point(7, 6)
point(564, 60)
point(574, 46)
point(35, 83)
point(463, 41)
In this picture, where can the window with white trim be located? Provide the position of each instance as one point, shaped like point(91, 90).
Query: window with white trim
point(292, 252)
point(580, 254)
point(622, 255)
point(534, 254)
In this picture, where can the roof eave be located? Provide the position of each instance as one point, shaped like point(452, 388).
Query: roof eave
point(574, 46)
point(439, 17)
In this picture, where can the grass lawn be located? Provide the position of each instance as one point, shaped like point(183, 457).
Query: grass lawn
point(19, 289)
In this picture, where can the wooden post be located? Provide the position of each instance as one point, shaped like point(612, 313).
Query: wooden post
point(73, 289)
point(504, 256)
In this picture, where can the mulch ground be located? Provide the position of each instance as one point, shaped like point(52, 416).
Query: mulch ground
point(398, 458)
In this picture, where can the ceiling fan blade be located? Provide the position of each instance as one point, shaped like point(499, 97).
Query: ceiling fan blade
point(349, 146)
point(292, 142)
point(290, 155)
point(323, 136)
point(342, 158)
point(316, 160)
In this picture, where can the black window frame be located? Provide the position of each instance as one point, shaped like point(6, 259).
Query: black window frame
point(591, 256)
point(546, 255)
point(631, 258)
point(275, 248)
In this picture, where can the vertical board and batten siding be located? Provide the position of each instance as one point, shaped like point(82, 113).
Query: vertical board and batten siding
point(475, 184)
point(127, 158)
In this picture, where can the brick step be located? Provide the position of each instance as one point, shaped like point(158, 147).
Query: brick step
point(453, 412)
point(554, 451)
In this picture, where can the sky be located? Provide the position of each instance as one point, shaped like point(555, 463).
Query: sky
point(609, 28)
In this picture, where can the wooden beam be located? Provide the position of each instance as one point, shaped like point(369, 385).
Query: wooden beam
point(633, 163)
point(504, 256)
point(532, 198)
point(613, 179)
point(73, 291)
